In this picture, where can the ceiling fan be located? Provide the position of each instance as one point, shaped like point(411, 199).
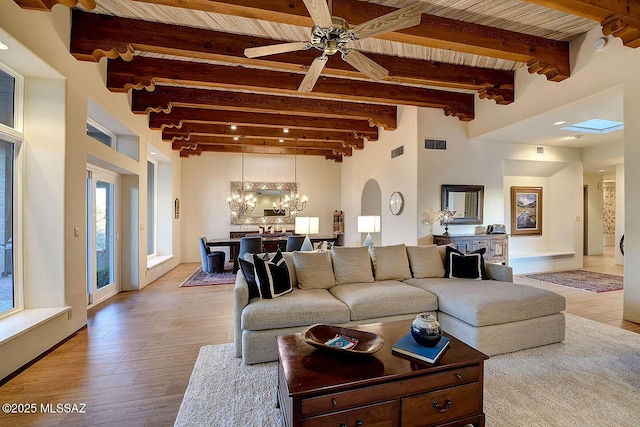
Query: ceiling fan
point(331, 34)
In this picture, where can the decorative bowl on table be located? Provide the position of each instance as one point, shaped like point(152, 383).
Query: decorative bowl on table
point(426, 330)
point(320, 335)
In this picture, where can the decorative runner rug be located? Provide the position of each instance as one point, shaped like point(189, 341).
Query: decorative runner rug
point(581, 279)
point(590, 379)
point(200, 278)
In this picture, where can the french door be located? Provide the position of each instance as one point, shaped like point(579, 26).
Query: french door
point(102, 235)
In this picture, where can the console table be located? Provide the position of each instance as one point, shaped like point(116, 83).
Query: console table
point(497, 245)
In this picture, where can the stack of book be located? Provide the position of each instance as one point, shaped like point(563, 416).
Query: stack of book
point(407, 346)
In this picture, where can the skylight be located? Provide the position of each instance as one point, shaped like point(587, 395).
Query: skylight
point(598, 126)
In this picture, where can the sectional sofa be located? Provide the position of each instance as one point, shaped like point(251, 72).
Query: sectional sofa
point(357, 285)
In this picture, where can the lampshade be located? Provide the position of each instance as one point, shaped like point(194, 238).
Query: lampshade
point(307, 225)
point(369, 224)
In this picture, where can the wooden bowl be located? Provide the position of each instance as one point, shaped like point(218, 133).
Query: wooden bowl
point(318, 335)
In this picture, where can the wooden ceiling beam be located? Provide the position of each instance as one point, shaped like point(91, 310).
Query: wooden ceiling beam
point(194, 148)
point(94, 36)
point(179, 116)
point(144, 72)
point(165, 98)
point(47, 5)
point(544, 56)
point(273, 134)
point(618, 18)
point(258, 142)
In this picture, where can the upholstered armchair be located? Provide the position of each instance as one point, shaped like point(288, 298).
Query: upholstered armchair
point(212, 262)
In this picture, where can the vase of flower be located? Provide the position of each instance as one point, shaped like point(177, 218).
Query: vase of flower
point(426, 330)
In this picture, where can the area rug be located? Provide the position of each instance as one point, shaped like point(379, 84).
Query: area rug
point(590, 379)
point(200, 278)
point(581, 279)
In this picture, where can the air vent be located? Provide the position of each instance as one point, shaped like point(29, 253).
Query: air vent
point(435, 144)
point(397, 152)
point(540, 150)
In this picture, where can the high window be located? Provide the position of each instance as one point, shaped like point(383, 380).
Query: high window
point(152, 197)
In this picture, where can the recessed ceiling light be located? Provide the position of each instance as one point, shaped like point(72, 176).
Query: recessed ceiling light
point(597, 126)
point(235, 138)
point(234, 127)
point(3, 46)
point(153, 153)
point(281, 140)
point(561, 122)
point(601, 170)
point(285, 130)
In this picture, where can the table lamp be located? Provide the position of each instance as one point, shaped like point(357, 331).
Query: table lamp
point(368, 224)
point(307, 225)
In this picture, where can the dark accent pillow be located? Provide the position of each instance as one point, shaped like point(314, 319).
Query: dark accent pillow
point(461, 266)
point(249, 274)
point(272, 277)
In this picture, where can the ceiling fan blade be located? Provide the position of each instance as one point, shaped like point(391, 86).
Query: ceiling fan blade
point(319, 11)
point(256, 52)
point(311, 78)
point(365, 65)
point(397, 20)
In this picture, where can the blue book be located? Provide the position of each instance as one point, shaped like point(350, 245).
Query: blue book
point(409, 347)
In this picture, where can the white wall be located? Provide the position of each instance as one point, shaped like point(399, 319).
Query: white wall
point(398, 174)
point(595, 212)
point(205, 183)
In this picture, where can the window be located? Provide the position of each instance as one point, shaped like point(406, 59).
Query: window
point(100, 133)
point(10, 138)
point(152, 181)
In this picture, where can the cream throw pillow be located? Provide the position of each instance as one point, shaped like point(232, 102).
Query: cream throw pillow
point(390, 262)
point(351, 265)
point(425, 261)
point(313, 270)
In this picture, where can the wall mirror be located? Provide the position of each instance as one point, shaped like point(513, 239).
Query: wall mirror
point(266, 193)
point(466, 200)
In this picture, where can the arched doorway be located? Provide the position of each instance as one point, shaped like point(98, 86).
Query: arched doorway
point(371, 204)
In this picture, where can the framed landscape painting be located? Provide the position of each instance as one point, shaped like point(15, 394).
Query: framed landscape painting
point(526, 210)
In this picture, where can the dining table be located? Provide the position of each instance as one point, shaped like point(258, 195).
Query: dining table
point(268, 242)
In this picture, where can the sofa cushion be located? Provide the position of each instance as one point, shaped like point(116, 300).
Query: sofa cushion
point(425, 261)
point(351, 265)
point(390, 262)
point(313, 270)
point(490, 302)
point(288, 257)
point(469, 266)
point(301, 307)
point(383, 298)
point(272, 276)
point(249, 274)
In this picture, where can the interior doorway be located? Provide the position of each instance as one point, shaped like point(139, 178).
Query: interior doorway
point(102, 235)
point(371, 204)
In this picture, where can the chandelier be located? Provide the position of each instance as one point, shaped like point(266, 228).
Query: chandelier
point(292, 203)
point(243, 202)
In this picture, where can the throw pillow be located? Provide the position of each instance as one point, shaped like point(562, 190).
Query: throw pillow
point(425, 261)
point(351, 265)
point(249, 274)
point(390, 262)
point(272, 276)
point(313, 270)
point(461, 266)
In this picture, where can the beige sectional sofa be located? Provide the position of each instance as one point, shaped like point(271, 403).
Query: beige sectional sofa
point(354, 286)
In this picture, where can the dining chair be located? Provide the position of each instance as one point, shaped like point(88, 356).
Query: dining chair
point(212, 261)
point(294, 243)
point(339, 240)
point(252, 245)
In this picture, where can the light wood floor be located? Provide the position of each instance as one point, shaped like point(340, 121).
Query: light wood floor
point(132, 363)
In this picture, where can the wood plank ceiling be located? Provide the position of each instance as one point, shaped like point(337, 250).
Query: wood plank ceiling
point(184, 62)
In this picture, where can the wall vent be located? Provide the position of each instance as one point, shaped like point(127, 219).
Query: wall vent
point(397, 152)
point(540, 150)
point(435, 144)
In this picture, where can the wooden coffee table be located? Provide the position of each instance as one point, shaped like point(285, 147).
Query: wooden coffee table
point(318, 388)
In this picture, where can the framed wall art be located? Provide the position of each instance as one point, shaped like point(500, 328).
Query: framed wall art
point(526, 211)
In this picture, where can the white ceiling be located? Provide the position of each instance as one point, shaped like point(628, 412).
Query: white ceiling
point(539, 130)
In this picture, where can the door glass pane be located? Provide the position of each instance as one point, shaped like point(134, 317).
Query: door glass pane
point(104, 233)
point(7, 294)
